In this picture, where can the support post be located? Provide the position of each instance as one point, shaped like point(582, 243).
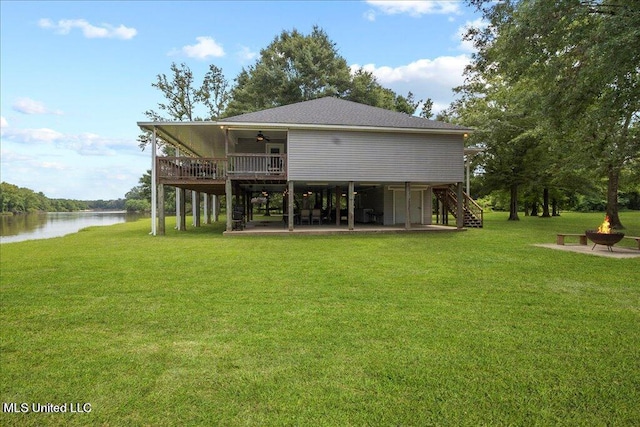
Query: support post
point(407, 205)
point(161, 216)
point(178, 201)
point(206, 208)
point(228, 196)
point(351, 205)
point(182, 217)
point(468, 164)
point(460, 207)
point(290, 206)
point(154, 183)
point(428, 206)
point(215, 204)
point(195, 208)
point(338, 196)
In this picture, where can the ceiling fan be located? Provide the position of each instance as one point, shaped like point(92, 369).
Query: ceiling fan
point(260, 137)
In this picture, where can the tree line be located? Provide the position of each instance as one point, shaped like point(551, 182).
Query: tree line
point(554, 95)
point(17, 200)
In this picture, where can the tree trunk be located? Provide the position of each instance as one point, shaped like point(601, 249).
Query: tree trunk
point(612, 198)
point(554, 207)
point(545, 203)
point(534, 209)
point(513, 203)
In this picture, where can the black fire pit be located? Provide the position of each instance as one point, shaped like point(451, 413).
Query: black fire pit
point(606, 239)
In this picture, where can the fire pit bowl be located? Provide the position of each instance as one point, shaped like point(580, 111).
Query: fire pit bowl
point(607, 239)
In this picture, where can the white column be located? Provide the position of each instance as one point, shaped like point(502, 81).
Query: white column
point(154, 186)
point(178, 195)
point(468, 164)
point(407, 205)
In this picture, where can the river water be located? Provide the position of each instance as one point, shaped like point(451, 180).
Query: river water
point(16, 228)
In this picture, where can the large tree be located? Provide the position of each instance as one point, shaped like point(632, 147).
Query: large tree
point(294, 67)
point(581, 59)
point(514, 155)
point(297, 67)
point(183, 100)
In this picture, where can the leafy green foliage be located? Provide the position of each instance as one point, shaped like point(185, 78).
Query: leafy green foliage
point(580, 62)
point(297, 67)
point(16, 199)
point(293, 68)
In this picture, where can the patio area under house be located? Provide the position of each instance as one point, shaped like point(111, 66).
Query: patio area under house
point(320, 166)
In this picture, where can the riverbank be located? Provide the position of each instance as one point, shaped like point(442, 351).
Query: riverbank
point(44, 225)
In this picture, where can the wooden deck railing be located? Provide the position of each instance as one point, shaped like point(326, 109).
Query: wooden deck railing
point(191, 168)
point(236, 166)
point(258, 165)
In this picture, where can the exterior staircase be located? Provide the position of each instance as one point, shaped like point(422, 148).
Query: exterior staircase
point(473, 213)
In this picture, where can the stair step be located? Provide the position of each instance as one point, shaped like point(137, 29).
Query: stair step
point(448, 195)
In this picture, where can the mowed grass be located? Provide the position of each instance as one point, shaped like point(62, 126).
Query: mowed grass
point(471, 328)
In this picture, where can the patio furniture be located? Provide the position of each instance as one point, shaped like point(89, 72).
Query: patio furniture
point(305, 216)
point(237, 218)
point(316, 215)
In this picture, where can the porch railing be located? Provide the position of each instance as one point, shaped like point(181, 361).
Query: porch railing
point(236, 166)
point(191, 168)
point(258, 165)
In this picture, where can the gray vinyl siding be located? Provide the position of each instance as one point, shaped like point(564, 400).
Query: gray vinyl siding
point(379, 157)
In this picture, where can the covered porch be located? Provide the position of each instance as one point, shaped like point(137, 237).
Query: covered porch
point(275, 205)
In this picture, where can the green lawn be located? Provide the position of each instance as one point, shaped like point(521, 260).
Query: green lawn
point(471, 328)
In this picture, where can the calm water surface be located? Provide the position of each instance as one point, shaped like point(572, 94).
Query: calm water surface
point(16, 228)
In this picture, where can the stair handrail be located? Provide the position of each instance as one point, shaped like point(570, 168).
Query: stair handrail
point(470, 205)
point(474, 207)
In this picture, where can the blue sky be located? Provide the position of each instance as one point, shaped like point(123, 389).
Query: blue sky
point(75, 77)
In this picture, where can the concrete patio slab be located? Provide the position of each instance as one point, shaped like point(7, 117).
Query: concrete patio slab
point(273, 228)
point(599, 250)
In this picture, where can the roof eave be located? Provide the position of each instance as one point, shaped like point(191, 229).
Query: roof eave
point(263, 125)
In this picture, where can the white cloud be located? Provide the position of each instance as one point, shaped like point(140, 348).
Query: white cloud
point(85, 144)
point(370, 15)
point(10, 158)
point(90, 144)
point(246, 54)
point(29, 106)
point(205, 48)
point(413, 8)
point(446, 69)
point(426, 78)
point(64, 26)
point(28, 136)
point(3, 122)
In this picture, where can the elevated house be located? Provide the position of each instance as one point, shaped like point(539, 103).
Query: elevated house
point(334, 161)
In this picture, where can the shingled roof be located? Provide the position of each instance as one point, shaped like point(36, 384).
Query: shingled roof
point(331, 111)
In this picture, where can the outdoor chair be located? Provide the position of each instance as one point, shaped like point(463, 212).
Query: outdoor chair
point(305, 216)
point(237, 218)
point(316, 215)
